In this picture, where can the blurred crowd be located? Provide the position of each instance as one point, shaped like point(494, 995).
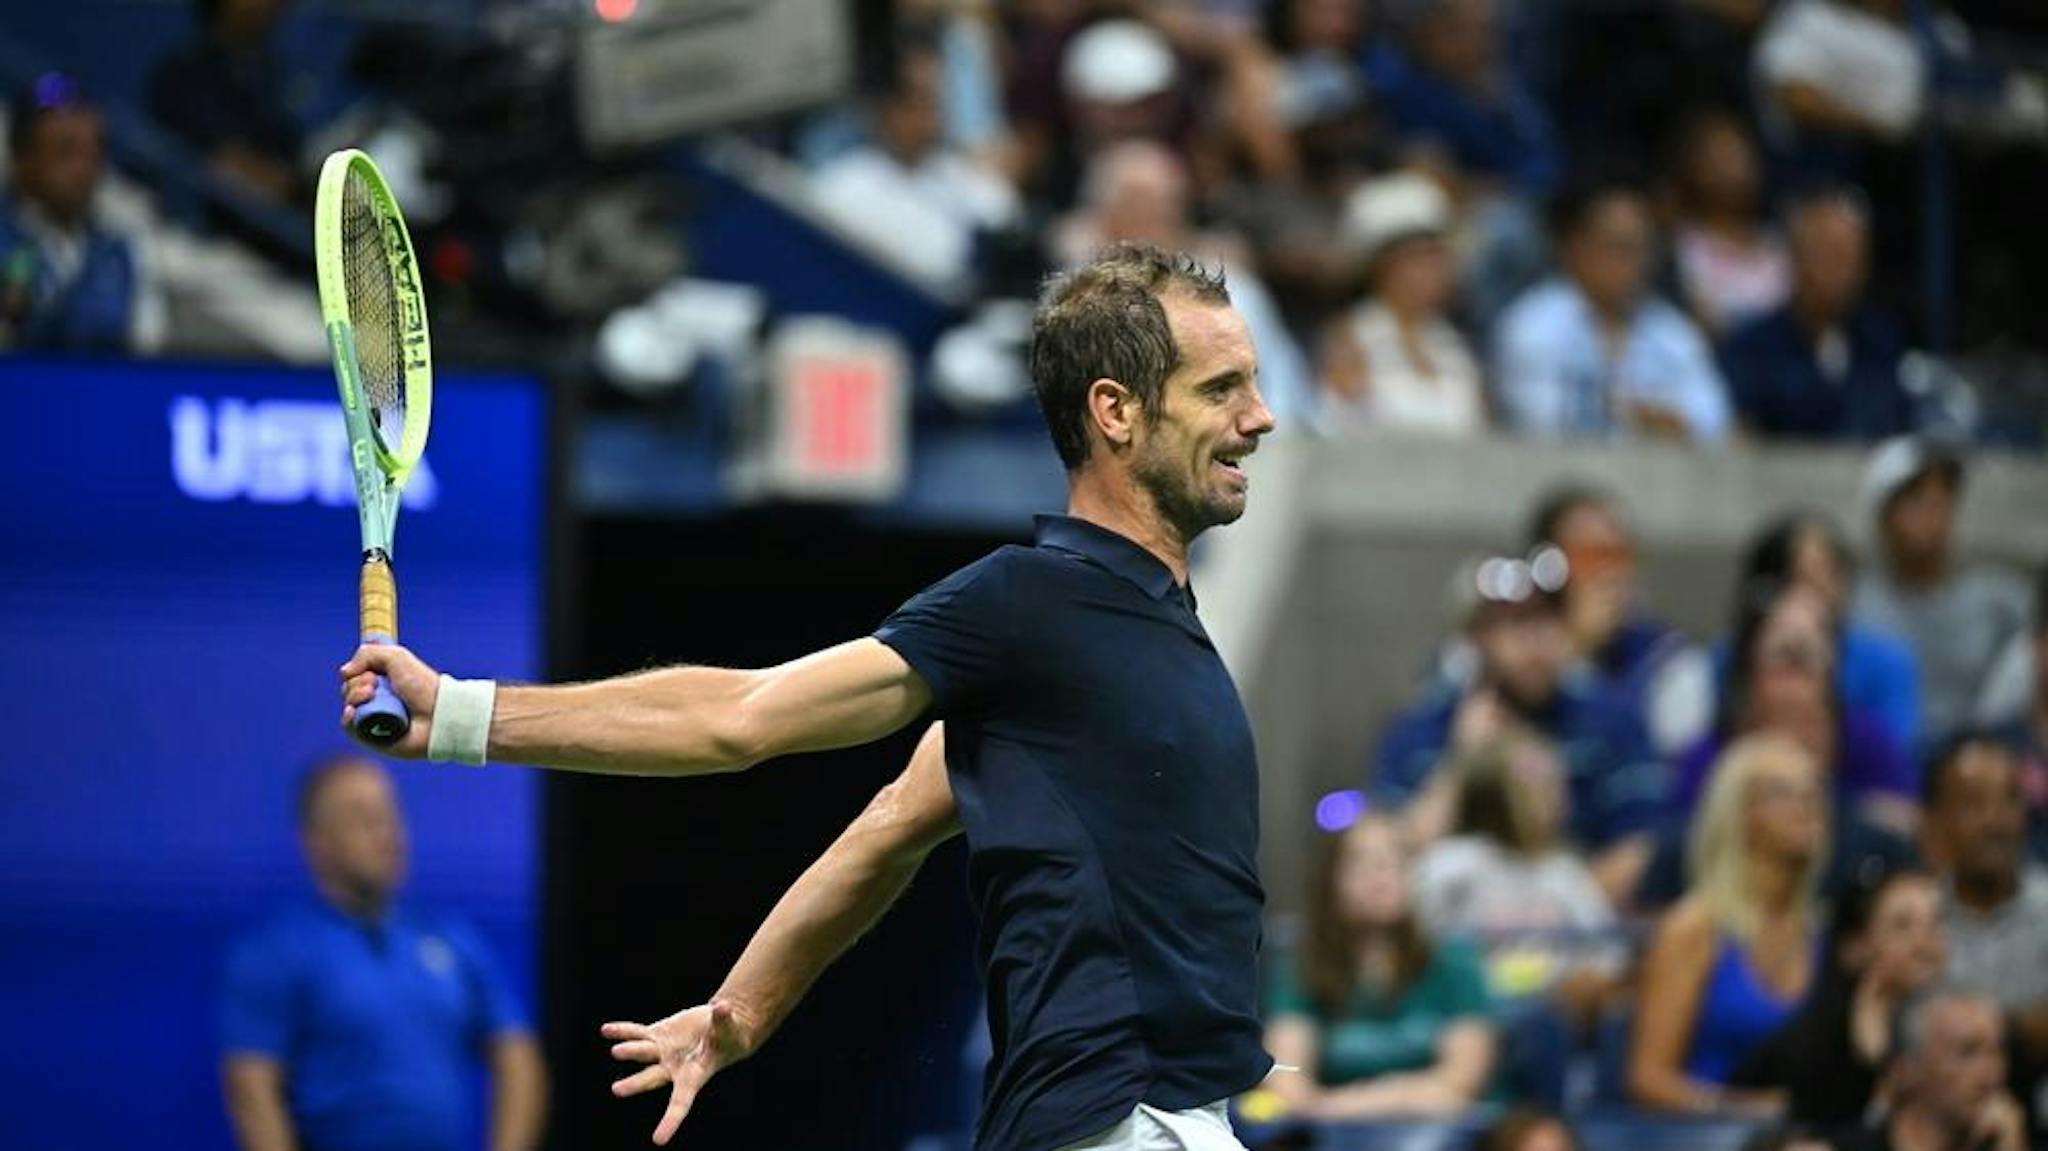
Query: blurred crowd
point(1693, 219)
point(1689, 221)
point(1598, 865)
point(1790, 875)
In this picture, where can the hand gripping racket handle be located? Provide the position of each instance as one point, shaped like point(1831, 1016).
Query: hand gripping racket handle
point(383, 720)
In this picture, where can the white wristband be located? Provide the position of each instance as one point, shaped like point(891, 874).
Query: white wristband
point(462, 720)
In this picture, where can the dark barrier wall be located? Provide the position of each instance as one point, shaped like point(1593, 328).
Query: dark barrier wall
point(654, 886)
point(177, 587)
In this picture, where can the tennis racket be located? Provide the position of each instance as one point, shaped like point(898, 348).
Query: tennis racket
point(376, 319)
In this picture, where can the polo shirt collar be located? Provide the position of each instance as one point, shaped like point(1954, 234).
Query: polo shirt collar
point(1118, 553)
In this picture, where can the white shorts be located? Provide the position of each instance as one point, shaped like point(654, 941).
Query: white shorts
point(1150, 1129)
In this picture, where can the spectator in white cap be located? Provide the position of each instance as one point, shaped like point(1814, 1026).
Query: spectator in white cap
point(1115, 80)
point(1394, 360)
point(1957, 619)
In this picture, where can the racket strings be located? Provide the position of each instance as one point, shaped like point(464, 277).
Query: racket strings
point(373, 310)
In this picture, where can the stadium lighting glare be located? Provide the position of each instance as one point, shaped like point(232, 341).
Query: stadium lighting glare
point(1339, 810)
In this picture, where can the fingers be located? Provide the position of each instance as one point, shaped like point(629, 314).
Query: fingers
point(375, 658)
point(623, 1030)
point(357, 690)
point(368, 658)
point(637, 1050)
point(679, 1101)
point(646, 1079)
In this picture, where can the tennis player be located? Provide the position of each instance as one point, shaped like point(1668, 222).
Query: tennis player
point(1095, 747)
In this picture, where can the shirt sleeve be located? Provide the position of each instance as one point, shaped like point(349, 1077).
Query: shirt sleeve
point(256, 999)
point(956, 635)
point(1698, 391)
point(495, 1008)
point(1530, 376)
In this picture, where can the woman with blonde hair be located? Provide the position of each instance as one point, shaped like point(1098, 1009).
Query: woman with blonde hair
point(1735, 958)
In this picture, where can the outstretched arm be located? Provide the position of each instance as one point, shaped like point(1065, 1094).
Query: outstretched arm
point(671, 721)
point(832, 904)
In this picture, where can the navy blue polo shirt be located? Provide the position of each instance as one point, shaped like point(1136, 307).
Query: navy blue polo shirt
point(1104, 771)
point(1781, 388)
point(380, 1027)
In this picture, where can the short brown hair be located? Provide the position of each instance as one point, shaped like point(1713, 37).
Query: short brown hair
point(1103, 320)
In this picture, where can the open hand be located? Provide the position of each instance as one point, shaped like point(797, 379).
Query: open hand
point(684, 1051)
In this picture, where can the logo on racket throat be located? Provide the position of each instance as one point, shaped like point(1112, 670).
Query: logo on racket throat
point(272, 452)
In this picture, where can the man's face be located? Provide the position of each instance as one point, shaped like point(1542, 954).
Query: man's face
point(1980, 813)
point(1210, 417)
point(910, 124)
point(59, 169)
point(1457, 39)
point(1602, 562)
point(1962, 1065)
point(354, 836)
point(1919, 519)
point(1830, 258)
point(1609, 255)
point(1523, 649)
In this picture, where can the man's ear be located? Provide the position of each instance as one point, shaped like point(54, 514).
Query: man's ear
point(1114, 411)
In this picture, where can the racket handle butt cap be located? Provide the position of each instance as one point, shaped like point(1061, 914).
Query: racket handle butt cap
point(383, 719)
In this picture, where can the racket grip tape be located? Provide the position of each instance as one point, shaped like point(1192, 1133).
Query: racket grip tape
point(383, 719)
point(379, 601)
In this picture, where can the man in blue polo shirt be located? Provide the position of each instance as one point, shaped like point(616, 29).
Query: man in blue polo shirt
point(1096, 755)
point(352, 1024)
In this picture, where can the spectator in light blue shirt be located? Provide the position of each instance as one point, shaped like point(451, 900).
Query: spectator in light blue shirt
point(1591, 352)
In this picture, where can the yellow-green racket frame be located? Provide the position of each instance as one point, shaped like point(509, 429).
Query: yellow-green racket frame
point(380, 468)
